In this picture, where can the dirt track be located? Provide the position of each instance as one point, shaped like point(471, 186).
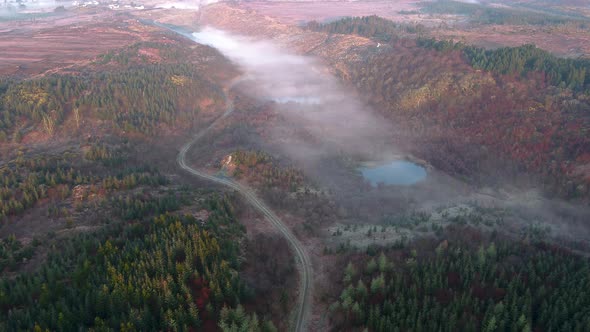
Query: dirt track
point(304, 306)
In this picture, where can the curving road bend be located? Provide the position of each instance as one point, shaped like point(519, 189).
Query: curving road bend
point(304, 303)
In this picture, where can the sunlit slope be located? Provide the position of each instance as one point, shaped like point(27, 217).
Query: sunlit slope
point(463, 120)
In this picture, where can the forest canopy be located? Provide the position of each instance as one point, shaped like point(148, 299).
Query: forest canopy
point(163, 273)
point(561, 72)
point(497, 287)
point(564, 73)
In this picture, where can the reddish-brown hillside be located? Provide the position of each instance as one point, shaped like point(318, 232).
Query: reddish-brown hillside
point(462, 120)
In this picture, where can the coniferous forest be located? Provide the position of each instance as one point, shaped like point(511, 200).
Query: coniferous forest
point(458, 286)
point(100, 242)
point(138, 99)
point(565, 73)
point(159, 273)
point(157, 181)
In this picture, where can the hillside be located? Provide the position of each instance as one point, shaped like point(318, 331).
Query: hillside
point(88, 177)
point(273, 166)
point(447, 112)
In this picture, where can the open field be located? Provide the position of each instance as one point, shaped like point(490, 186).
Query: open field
point(564, 41)
point(568, 41)
point(61, 41)
point(297, 12)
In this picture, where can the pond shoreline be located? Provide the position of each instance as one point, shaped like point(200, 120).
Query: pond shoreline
point(393, 172)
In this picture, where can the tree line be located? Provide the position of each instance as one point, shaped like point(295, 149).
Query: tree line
point(561, 72)
point(522, 60)
point(140, 98)
point(367, 26)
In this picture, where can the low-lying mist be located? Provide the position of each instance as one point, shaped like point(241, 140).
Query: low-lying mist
point(329, 119)
point(307, 95)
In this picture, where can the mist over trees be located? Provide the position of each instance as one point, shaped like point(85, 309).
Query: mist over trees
point(442, 87)
point(166, 256)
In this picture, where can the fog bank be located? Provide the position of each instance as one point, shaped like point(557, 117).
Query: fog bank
point(306, 94)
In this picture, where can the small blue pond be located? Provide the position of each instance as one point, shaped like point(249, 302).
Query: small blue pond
point(398, 172)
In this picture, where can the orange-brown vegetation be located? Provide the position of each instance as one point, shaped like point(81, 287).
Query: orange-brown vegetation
point(461, 117)
point(564, 40)
point(448, 113)
point(298, 12)
point(56, 43)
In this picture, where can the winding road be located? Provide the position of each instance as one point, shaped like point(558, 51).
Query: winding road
point(304, 303)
